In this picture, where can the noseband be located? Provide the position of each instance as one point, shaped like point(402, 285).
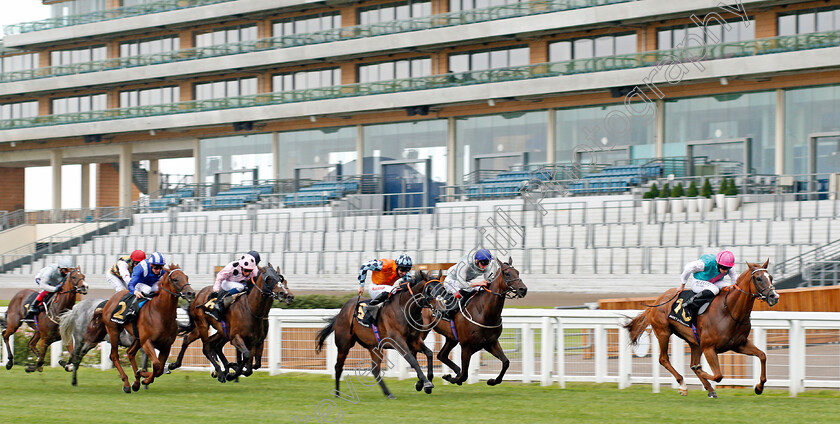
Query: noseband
point(762, 294)
point(179, 290)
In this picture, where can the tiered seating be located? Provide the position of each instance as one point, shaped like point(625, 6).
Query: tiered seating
point(506, 184)
point(236, 197)
point(170, 199)
point(321, 193)
point(616, 178)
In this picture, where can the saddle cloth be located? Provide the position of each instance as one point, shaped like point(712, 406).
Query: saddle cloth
point(27, 302)
point(361, 313)
point(679, 314)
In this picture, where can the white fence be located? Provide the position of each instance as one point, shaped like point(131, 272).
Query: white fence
point(555, 346)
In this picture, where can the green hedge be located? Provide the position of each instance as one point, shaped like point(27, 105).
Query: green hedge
point(316, 301)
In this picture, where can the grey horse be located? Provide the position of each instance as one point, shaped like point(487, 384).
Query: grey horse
point(75, 323)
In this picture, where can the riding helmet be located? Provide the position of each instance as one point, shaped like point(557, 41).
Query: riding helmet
point(256, 256)
point(138, 255)
point(247, 262)
point(483, 255)
point(725, 258)
point(65, 262)
point(157, 259)
point(404, 261)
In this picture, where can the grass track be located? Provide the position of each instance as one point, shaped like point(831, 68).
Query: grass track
point(189, 397)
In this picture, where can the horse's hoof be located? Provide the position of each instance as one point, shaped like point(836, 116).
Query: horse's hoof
point(62, 362)
point(127, 389)
point(683, 392)
point(172, 366)
point(492, 382)
point(713, 395)
point(391, 396)
point(39, 368)
point(247, 373)
point(69, 368)
point(166, 370)
point(418, 386)
point(231, 376)
point(74, 383)
point(214, 374)
point(9, 365)
point(427, 388)
point(145, 387)
point(759, 390)
point(222, 378)
point(449, 378)
point(136, 386)
point(29, 369)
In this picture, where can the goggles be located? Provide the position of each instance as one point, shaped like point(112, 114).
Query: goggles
point(404, 268)
point(484, 262)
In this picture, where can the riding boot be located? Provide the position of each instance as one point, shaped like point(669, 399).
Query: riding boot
point(218, 307)
point(693, 305)
point(371, 313)
point(33, 310)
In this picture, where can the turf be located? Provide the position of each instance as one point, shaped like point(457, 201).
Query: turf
point(189, 397)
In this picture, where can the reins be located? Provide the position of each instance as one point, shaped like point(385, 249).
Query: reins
point(754, 296)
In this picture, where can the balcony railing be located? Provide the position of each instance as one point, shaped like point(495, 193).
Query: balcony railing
point(106, 15)
point(578, 66)
point(319, 37)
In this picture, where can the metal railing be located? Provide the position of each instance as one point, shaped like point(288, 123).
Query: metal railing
point(557, 346)
point(106, 15)
point(719, 51)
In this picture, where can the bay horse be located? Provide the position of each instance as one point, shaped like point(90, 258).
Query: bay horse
point(154, 327)
point(395, 331)
point(244, 325)
point(81, 331)
point(724, 326)
point(46, 322)
point(478, 324)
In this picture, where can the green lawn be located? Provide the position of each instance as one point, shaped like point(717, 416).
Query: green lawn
point(189, 397)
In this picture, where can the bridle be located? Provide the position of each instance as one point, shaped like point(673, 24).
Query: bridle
point(76, 288)
point(761, 295)
point(179, 290)
point(509, 292)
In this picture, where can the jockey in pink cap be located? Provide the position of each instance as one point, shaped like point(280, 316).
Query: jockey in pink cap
point(705, 276)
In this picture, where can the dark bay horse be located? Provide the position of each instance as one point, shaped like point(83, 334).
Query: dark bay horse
point(396, 331)
point(46, 322)
point(245, 324)
point(154, 328)
point(725, 326)
point(479, 325)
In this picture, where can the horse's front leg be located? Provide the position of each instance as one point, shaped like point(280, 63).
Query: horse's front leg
point(243, 356)
point(696, 354)
point(443, 356)
point(712, 358)
point(131, 352)
point(42, 353)
point(157, 365)
point(496, 350)
point(185, 343)
point(421, 347)
point(750, 349)
point(114, 335)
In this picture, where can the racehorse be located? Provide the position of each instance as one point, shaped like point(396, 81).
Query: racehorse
point(725, 326)
point(81, 331)
point(245, 324)
point(478, 324)
point(46, 322)
point(154, 327)
point(394, 331)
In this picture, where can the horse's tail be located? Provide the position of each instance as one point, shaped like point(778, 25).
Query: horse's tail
point(325, 332)
point(638, 325)
point(65, 327)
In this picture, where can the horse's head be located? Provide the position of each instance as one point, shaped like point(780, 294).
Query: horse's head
point(420, 286)
point(178, 282)
point(763, 283)
point(75, 282)
point(276, 284)
point(507, 280)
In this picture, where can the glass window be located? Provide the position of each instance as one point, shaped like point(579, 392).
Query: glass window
point(385, 71)
point(19, 110)
point(457, 5)
point(227, 88)
point(809, 20)
point(727, 116)
point(493, 59)
point(505, 133)
point(229, 160)
point(79, 104)
point(394, 11)
point(607, 45)
point(150, 96)
point(560, 51)
point(418, 140)
point(588, 126)
point(787, 25)
point(226, 35)
point(19, 62)
point(324, 146)
point(82, 55)
point(809, 110)
point(150, 46)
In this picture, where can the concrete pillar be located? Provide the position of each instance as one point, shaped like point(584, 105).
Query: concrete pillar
point(780, 131)
point(659, 140)
point(275, 155)
point(125, 175)
point(551, 138)
point(154, 179)
point(55, 163)
point(360, 150)
point(450, 156)
point(85, 186)
point(198, 176)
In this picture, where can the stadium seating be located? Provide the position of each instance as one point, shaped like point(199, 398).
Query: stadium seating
point(506, 184)
point(170, 199)
point(236, 197)
point(616, 179)
point(321, 193)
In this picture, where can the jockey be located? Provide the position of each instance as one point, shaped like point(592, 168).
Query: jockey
point(705, 276)
point(50, 279)
point(144, 281)
point(386, 273)
point(257, 261)
point(231, 280)
point(120, 273)
point(459, 278)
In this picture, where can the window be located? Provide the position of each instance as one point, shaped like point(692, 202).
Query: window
point(394, 11)
point(150, 96)
point(150, 46)
point(398, 69)
point(226, 36)
point(458, 5)
point(19, 62)
point(19, 110)
point(306, 79)
point(305, 24)
point(77, 7)
point(810, 20)
point(582, 48)
point(227, 88)
point(79, 104)
point(82, 55)
point(673, 37)
point(489, 59)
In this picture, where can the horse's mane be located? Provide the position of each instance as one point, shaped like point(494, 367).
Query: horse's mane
point(173, 267)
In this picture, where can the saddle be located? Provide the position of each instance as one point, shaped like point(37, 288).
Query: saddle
point(127, 309)
point(680, 314)
point(214, 309)
point(29, 302)
point(363, 316)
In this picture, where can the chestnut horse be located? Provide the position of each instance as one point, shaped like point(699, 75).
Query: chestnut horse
point(46, 322)
point(724, 326)
point(395, 331)
point(154, 327)
point(478, 325)
point(245, 324)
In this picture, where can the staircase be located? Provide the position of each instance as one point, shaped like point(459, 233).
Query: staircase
point(820, 266)
point(139, 176)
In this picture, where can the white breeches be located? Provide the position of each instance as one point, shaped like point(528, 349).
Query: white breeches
point(453, 286)
point(699, 285)
point(146, 289)
point(376, 290)
point(116, 282)
point(230, 285)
